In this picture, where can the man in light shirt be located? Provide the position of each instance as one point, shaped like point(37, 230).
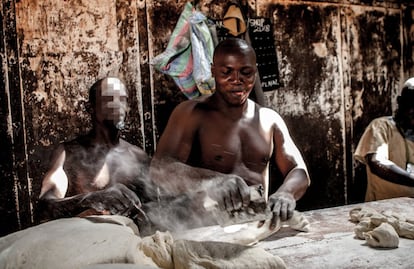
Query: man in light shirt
point(387, 149)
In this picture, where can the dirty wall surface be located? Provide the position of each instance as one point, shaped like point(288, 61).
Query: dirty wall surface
point(340, 65)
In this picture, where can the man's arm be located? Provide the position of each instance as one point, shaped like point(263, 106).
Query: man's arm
point(290, 163)
point(115, 200)
point(177, 138)
point(55, 183)
point(169, 164)
point(53, 203)
point(388, 170)
point(170, 171)
point(175, 178)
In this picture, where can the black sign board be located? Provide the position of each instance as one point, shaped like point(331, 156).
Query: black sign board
point(261, 37)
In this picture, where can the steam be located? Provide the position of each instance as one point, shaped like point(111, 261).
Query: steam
point(169, 204)
point(186, 199)
point(180, 203)
point(174, 196)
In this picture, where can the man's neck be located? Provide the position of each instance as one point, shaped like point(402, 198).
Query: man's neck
point(231, 111)
point(103, 135)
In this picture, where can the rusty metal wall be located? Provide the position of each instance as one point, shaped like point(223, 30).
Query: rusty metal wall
point(55, 50)
point(341, 64)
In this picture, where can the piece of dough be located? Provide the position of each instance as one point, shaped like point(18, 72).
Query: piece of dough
point(363, 226)
point(193, 254)
point(405, 229)
point(383, 236)
point(159, 248)
point(359, 213)
point(168, 253)
point(298, 222)
point(244, 234)
point(401, 223)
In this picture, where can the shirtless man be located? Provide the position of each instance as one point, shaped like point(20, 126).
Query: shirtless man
point(98, 173)
point(228, 133)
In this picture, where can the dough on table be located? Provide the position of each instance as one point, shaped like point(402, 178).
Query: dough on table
point(363, 226)
point(114, 242)
point(406, 230)
point(244, 234)
point(168, 253)
point(193, 254)
point(383, 236)
point(381, 229)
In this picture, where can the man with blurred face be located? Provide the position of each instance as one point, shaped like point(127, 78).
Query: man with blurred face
point(229, 133)
point(113, 100)
point(98, 173)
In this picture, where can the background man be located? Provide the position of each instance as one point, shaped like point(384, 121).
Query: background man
point(98, 173)
point(387, 149)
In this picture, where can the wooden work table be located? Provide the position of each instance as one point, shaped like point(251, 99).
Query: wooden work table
point(331, 241)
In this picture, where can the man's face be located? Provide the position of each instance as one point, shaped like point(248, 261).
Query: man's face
point(406, 108)
point(235, 74)
point(409, 113)
point(408, 122)
point(111, 103)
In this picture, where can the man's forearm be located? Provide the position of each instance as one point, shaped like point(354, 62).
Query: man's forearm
point(296, 183)
point(176, 177)
point(62, 208)
point(390, 172)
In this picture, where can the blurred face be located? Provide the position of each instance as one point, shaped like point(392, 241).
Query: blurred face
point(235, 74)
point(406, 104)
point(408, 129)
point(409, 116)
point(405, 114)
point(111, 103)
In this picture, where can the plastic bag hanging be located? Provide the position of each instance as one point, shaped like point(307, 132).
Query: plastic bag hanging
point(188, 55)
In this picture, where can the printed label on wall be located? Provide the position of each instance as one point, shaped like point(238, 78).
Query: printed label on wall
point(261, 36)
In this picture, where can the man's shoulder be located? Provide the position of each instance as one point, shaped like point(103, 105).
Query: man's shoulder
point(268, 113)
point(125, 144)
point(83, 141)
point(191, 106)
point(382, 124)
point(137, 151)
point(384, 120)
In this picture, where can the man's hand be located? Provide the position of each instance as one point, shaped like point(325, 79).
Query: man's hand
point(117, 200)
point(282, 204)
point(230, 192)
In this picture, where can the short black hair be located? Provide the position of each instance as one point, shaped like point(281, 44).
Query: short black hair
point(93, 90)
point(229, 44)
point(405, 100)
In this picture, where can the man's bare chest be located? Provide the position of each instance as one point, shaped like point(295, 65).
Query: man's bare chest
point(228, 149)
point(89, 172)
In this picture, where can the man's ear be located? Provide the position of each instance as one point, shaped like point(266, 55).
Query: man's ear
point(213, 70)
point(400, 101)
point(89, 108)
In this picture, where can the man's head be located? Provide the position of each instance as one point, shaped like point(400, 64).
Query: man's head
point(234, 70)
point(405, 111)
point(108, 98)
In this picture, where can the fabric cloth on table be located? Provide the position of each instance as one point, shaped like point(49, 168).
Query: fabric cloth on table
point(97, 241)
